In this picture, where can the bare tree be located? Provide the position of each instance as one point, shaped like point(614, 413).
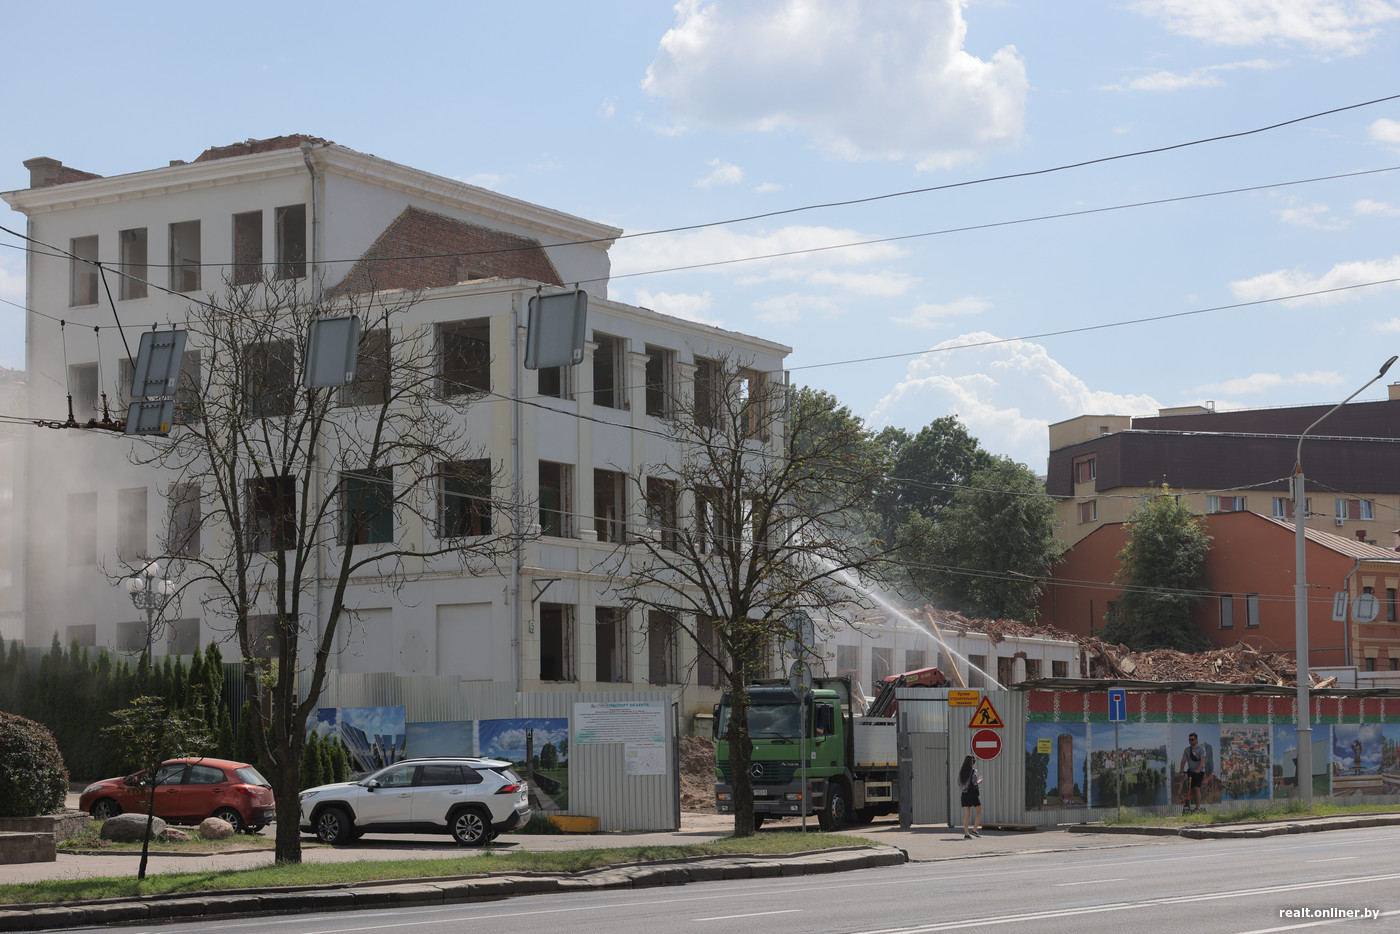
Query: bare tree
point(759, 516)
point(282, 497)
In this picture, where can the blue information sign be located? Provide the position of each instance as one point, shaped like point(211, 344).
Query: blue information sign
point(1117, 705)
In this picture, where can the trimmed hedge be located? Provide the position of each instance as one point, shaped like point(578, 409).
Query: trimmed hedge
point(33, 779)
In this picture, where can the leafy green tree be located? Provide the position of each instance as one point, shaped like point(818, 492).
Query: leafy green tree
point(549, 757)
point(146, 733)
point(312, 764)
point(992, 547)
point(926, 468)
point(1162, 573)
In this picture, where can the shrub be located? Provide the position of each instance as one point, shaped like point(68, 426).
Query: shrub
point(33, 779)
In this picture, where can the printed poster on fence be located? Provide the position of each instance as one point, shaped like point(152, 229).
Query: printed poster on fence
point(645, 758)
point(620, 722)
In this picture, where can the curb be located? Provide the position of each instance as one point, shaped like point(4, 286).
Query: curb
point(1246, 833)
point(443, 891)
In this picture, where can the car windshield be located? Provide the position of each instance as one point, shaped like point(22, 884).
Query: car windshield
point(769, 720)
point(251, 776)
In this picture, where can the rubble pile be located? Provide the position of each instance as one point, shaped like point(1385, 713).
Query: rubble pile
point(1239, 664)
point(697, 774)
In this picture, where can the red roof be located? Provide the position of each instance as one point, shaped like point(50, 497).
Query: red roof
point(250, 146)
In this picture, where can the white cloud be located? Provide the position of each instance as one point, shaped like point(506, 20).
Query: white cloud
point(1264, 382)
point(1284, 282)
point(722, 173)
point(930, 315)
point(862, 80)
point(1006, 393)
point(1386, 130)
point(609, 107)
point(1379, 208)
point(1388, 327)
point(795, 306)
point(1316, 216)
point(1206, 77)
point(717, 244)
point(767, 187)
point(678, 305)
point(1328, 26)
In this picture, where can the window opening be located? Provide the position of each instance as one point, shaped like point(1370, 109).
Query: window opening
point(606, 370)
point(610, 505)
point(133, 263)
point(272, 519)
point(290, 222)
point(465, 505)
point(184, 256)
point(556, 499)
point(82, 271)
point(465, 348)
point(556, 642)
point(247, 248)
point(367, 503)
point(610, 644)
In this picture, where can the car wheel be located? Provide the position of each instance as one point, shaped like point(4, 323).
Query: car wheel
point(333, 826)
point(235, 820)
point(104, 808)
point(837, 810)
point(469, 827)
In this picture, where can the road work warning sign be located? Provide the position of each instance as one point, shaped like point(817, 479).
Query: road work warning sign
point(985, 716)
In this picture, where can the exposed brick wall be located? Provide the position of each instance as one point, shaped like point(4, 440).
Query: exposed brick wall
point(250, 146)
point(449, 251)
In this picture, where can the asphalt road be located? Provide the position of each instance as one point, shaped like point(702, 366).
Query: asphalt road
point(1204, 887)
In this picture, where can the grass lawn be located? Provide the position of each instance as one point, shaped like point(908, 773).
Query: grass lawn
point(90, 839)
point(1291, 810)
point(479, 862)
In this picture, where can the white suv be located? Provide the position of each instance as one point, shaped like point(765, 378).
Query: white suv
point(472, 799)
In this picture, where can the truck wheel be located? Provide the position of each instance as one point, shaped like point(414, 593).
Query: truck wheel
point(838, 808)
point(757, 821)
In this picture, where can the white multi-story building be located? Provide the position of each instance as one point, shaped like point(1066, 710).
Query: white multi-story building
point(299, 207)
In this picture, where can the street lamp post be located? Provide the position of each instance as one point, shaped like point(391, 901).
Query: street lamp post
point(1300, 601)
point(149, 591)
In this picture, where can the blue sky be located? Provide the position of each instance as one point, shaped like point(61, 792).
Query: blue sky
point(650, 116)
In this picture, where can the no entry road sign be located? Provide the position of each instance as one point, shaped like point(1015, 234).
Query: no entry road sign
point(986, 744)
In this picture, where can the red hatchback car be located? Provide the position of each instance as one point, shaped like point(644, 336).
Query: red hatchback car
point(189, 790)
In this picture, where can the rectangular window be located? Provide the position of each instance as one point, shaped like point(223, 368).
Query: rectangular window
point(263, 638)
point(1367, 509)
point(847, 661)
point(610, 505)
point(184, 256)
point(1390, 616)
point(1059, 669)
point(367, 506)
point(85, 634)
point(610, 644)
point(661, 367)
point(247, 248)
point(662, 648)
point(371, 383)
point(1227, 611)
point(707, 652)
point(1225, 504)
point(1370, 664)
point(556, 499)
point(272, 513)
point(82, 384)
point(290, 222)
point(186, 518)
point(1006, 669)
point(182, 636)
point(82, 528)
point(663, 512)
point(607, 372)
point(269, 380)
point(465, 348)
point(464, 507)
point(556, 642)
point(131, 637)
point(1085, 469)
point(881, 666)
point(131, 525)
point(977, 671)
point(188, 389)
point(708, 404)
point(1394, 663)
point(1032, 669)
point(1283, 507)
point(1089, 511)
point(554, 382)
point(709, 521)
point(133, 260)
point(914, 659)
point(82, 271)
point(1251, 611)
point(753, 393)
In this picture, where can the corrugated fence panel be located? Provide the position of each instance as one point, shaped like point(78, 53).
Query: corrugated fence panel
point(599, 785)
point(1004, 777)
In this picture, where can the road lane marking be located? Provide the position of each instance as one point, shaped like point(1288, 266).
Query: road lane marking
point(755, 914)
point(1313, 924)
point(1089, 882)
point(1333, 859)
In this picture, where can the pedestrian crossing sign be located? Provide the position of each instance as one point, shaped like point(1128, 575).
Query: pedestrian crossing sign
point(985, 716)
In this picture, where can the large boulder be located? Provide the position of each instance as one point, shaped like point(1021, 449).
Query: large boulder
point(173, 835)
point(215, 828)
point(130, 828)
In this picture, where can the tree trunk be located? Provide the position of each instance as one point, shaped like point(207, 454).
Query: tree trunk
point(287, 788)
point(150, 822)
point(741, 758)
